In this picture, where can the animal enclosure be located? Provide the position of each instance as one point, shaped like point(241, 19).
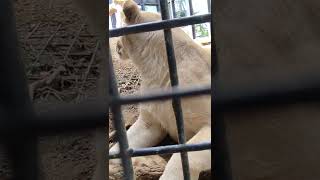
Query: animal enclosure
point(55, 44)
point(125, 153)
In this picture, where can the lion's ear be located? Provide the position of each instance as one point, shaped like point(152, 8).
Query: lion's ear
point(131, 11)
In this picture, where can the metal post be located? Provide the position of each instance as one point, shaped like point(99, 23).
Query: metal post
point(119, 125)
point(158, 5)
point(191, 13)
point(221, 164)
point(209, 11)
point(173, 8)
point(15, 105)
point(142, 5)
point(176, 103)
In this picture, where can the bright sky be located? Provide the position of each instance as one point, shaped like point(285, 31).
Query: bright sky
point(200, 5)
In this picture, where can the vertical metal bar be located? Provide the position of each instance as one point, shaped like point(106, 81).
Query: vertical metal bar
point(121, 133)
point(24, 157)
point(158, 5)
point(173, 8)
point(191, 13)
point(14, 99)
point(143, 5)
point(209, 11)
point(221, 164)
point(176, 103)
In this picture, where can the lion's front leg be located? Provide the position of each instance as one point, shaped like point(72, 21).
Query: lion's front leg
point(198, 161)
point(145, 132)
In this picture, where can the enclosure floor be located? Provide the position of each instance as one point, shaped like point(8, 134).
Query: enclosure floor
point(61, 59)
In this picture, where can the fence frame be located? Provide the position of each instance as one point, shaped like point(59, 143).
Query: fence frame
point(125, 153)
point(14, 98)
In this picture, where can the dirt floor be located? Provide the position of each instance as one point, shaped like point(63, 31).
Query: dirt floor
point(61, 59)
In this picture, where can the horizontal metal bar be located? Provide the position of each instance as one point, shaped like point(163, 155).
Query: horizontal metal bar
point(65, 118)
point(162, 95)
point(151, 4)
point(58, 36)
point(165, 150)
point(158, 25)
point(90, 114)
point(236, 97)
point(62, 118)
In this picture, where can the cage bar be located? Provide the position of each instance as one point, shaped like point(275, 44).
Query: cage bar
point(164, 24)
point(15, 104)
point(176, 102)
point(121, 133)
point(163, 95)
point(168, 149)
point(173, 4)
point(191, 13)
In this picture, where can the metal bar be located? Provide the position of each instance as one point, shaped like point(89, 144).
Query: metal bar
point(154, 26)
point(254, 96)
point(169, 149)
point(68, 117)
point(87, 53)
point(142, 6)
point(121, 133)
point(80, 116)
point(60, 36)
point(72, 117)
point(163, 95)
point(151, 4)
point(15, 105)
point(209, 11)
point(191, 13)
point(158, 5)
point(221, 156)
point(176, 103)
point(173, 4)
point(221, 164)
